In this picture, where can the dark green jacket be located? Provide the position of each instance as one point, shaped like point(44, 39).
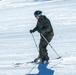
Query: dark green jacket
point(43, 25)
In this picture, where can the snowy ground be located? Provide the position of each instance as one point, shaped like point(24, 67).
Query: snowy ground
point(17, 45)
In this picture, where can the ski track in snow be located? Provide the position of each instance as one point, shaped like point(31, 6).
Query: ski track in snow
point(17, 46)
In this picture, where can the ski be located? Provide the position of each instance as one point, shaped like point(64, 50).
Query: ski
point(54, 60)
point(32, 62)
point(17, 64)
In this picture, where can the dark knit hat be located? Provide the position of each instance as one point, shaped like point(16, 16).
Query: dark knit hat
point(37, 13)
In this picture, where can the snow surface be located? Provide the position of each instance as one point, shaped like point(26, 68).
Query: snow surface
point(16, 43)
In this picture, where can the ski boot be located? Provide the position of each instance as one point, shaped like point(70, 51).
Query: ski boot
point(38, 60)
point(45, 59)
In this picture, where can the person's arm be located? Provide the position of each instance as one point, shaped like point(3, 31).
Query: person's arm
point(35, 29)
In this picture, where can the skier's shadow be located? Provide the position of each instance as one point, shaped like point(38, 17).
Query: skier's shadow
point(43, 70)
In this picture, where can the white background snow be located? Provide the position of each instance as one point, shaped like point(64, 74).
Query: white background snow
point(17, 45)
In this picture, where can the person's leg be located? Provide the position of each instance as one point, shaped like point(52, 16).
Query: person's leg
point(43, 46)
point(42, 49)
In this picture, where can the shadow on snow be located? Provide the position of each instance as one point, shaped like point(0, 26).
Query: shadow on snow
point(43, 70)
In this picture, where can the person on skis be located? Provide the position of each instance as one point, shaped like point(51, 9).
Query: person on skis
point(44, 27)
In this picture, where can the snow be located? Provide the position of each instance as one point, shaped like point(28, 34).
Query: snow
point(16, 43)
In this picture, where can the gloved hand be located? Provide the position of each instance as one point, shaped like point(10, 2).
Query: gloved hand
point(31, 31)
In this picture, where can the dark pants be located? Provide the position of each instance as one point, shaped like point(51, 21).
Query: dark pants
point(43, 46)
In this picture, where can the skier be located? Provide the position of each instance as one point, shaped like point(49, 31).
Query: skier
point(43, 27)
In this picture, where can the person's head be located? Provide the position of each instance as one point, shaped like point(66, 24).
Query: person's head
point(37, 13)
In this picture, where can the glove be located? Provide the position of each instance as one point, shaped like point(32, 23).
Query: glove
point(31, 31)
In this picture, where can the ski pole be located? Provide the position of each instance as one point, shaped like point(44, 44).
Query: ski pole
point(34, 41)
point(31, 69)
point(51, 46)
